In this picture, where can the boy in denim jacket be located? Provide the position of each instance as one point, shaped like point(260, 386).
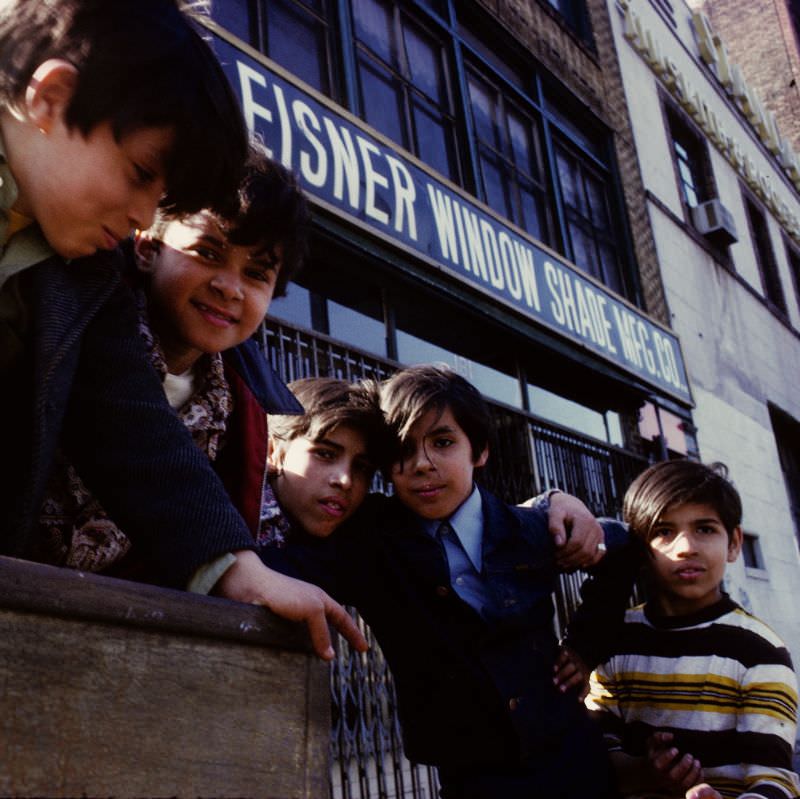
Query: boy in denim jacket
point(456, 586)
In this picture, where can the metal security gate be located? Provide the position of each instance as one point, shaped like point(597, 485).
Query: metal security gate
point(528, 456)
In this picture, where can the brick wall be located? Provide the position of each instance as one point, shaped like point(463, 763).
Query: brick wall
point(760, 38)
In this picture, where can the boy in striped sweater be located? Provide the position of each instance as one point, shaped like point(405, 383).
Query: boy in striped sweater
point(699, 699)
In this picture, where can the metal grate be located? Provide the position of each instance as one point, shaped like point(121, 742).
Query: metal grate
point(527, 456)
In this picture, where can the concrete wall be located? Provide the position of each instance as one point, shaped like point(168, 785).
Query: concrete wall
point(739, 353)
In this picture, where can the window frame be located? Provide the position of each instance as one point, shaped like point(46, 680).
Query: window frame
point(471, 39)
point(774, 295)
point(675, 118)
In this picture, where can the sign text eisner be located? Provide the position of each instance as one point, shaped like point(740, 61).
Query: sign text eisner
point(360, 175)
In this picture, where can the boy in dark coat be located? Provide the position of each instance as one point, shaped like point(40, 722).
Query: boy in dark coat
point(107, 109)
point(456, 585)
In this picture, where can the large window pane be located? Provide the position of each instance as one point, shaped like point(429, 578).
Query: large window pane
point(510, 166)
point(234, 16)
point(295, 307)
point(384, 111)
point(491, 382)
point(434, 140)
point(424, 62)
point(297, 42)
point(403, 83)
point(373, 23)
point(357, 328)
point(591, 234)
point(494, 187)
point(575, 416)
point(295, 33)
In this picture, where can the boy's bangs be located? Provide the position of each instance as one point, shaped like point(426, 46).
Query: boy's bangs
point(171, 79)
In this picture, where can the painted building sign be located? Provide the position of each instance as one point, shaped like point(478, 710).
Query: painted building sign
point(354, 172)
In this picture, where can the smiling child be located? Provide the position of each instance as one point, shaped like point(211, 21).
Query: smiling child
point(206, 281)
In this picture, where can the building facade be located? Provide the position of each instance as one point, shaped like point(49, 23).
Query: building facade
point(721, 187)
point(762, 39)
point(477, 200)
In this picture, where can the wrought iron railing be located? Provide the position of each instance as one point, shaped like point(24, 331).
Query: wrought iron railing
point(528, 455)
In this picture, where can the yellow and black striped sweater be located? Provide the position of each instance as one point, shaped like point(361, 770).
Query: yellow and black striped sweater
point(720, 680)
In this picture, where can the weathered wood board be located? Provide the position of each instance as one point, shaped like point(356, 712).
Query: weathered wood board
point(111, 688)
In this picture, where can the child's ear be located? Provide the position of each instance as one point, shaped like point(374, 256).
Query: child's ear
point(50, 92)
point(735, 544)
point(146, 249)
point(275, 456)
point(482, 458)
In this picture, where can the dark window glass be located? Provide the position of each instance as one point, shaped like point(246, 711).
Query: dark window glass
point(404, 83)
point(751, 552)
point(297, 38)
point(296, 34)
point(591, 237)
point(794, 13)
point(511, 169)
point(793, 257)
point(574, 14)
point(787, 439)
point(235, 16)
point(691, 161)
point(770, 280)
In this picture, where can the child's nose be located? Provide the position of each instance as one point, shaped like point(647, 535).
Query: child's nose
point(227, 284)
point(684, 543)
point(342, 477)
point(421, 461)
point(143, 208)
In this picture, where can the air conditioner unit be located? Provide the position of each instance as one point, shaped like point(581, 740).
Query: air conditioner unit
point(715, 222)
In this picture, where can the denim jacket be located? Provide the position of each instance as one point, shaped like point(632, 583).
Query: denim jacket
point(473, 690)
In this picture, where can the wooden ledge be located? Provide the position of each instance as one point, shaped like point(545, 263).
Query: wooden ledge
point(110, 688)
point(37, 588)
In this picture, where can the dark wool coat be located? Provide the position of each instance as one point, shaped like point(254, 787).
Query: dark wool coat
point(86, 384)
point(475, 693)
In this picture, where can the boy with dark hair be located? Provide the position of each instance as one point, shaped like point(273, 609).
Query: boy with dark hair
point(456, 585)
point(699, 698)
point(107, 109)
point(204, 282)
point(322, 462)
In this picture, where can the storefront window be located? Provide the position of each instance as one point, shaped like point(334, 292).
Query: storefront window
point(490, 382)
point(573, 415)
point(357, 328)
point(660, 426)
point(294, 308)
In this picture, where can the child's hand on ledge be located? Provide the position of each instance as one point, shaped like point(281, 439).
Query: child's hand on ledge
point(249, 580)
point(571, 673)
